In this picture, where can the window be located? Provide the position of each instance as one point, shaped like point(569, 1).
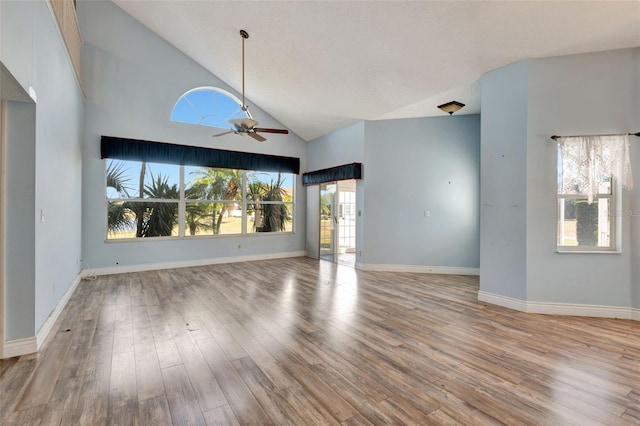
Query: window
point(146, 200)
point(207, 106)
point(585, 225)
point(586, 202)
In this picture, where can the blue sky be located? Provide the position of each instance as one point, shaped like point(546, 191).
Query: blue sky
point(131, 173)
point(206, 107)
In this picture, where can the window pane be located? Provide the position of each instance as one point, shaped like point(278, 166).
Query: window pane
point(142, 219)
point(122, 178)
point(266, 186)
point(207, 106)
point(160, 181)
point(207, 218)
point(275, 217)
point(204, 183)
point(583, 224)
point(121, 221)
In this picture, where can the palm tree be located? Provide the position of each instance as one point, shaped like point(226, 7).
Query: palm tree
point(222, 185)
point(140, 208)
point(198, 215)
point(254, 195)
point(274, 217)
point(116, 177)
point(118, 216)
point(157, 219)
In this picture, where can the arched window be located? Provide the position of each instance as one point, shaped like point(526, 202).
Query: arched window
point(207, 106)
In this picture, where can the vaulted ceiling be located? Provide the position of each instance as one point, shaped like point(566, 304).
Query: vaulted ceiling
point(317, 66)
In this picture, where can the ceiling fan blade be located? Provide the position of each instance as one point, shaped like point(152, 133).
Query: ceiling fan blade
point(265, 130)
point(257, 137)
point(246, 123)
point(222, 134)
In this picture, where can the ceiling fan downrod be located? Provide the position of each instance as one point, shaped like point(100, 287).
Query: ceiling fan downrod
point(244, 36)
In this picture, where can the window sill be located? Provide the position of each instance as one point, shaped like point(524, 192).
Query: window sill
point(195, 237)
point(588, 252)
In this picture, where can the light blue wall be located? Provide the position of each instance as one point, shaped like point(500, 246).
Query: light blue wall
point(581, 94)
point(47, 167)
point(413, 165)
point(20, 231)
point(503, 181)
point(343, 146)
point(16, 39)
point(523, 104)
point(132, 80)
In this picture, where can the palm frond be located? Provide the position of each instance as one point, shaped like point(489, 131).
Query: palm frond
point(116, 177)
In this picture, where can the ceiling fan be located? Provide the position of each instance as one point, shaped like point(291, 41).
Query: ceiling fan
point(248, 126)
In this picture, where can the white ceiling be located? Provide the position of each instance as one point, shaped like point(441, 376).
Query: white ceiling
point(318, 66)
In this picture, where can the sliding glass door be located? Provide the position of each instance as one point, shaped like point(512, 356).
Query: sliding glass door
point(328, 221)
point(338, 222)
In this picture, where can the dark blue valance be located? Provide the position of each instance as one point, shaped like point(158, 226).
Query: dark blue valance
point(160, 152)
point(344, 172)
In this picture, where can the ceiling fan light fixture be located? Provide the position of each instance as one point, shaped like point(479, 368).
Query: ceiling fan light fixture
point(451, 107)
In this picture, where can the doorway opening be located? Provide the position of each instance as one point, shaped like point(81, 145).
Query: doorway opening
point(338, 222)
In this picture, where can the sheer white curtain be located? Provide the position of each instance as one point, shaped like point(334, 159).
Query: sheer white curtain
point(587, 160)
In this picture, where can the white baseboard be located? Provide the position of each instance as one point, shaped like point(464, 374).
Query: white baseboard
point(29, 345)
point(19, 347)
point(507, 302)
point(48, 324)
point(551, 308)
point(419, 269)
point(580, 310)
point(122, 269)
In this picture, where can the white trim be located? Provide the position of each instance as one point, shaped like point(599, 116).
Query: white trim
point(419, 269)
point(47, 326)
point(564, 251)
point(121, 269)
point(579, 310)
point(553, 308)
point(20, 347)
point(507, 302)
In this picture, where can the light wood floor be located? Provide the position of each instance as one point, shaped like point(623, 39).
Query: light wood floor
point(300, 342)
